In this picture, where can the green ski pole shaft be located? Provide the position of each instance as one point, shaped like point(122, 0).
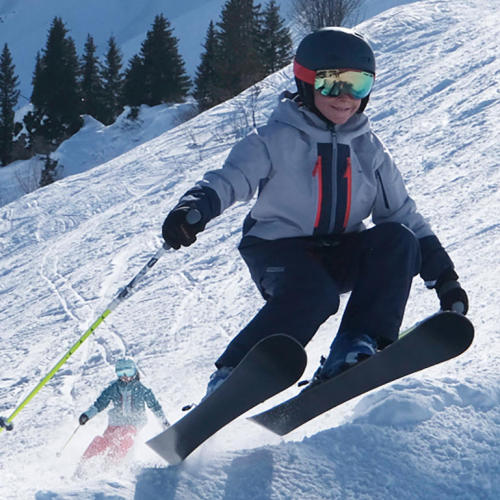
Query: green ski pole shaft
point(120, 297)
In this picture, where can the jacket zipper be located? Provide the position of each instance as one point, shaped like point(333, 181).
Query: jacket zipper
point(348, 177)
point(334, 179)
point(384, 194)
point(320, 171)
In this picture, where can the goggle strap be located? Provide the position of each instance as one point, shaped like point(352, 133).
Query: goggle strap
point(304, 74)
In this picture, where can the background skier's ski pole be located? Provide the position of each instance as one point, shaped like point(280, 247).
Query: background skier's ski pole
point(59, 453)
point(122, 295)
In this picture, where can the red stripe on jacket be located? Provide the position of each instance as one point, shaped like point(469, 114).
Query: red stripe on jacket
point(348, 176)
point(318, 171)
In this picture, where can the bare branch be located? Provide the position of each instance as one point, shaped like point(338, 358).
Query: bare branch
point(311, 15)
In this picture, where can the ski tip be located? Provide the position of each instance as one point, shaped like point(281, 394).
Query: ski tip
point(461, 323)
point(273, 427)
point(276, 345)
point(161, 444)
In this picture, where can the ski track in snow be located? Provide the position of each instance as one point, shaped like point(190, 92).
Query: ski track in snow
point(69, 248)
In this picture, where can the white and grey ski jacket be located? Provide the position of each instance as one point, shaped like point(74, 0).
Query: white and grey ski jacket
point(313, 179)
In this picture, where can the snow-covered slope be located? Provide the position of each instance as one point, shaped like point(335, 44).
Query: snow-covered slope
point(68, 248)
point(94, 144)
point(127, 22)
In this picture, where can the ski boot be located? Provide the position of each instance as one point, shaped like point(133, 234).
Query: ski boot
point(216, 379)
point(345, 352)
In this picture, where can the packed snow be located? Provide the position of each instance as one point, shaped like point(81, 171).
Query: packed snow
point(67, 249)
point(94, 145)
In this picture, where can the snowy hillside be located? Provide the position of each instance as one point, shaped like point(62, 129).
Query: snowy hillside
point(94, 144)
point(128, 25)
point(68, 248)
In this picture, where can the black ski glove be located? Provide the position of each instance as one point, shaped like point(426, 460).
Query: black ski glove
point(83, 419)
point(452, 296)
point(181, 226)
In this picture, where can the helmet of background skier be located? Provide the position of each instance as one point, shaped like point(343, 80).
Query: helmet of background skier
point(331, 48)
point(125, 366)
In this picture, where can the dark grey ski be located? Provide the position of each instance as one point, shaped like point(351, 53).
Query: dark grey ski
point(274, 364)
point(434, 340)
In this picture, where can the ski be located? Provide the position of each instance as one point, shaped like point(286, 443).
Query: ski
point(274, 364)
point(436, 339)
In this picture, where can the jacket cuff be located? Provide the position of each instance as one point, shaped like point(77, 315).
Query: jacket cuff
point(435, 260)
point(91, 412)
point(448, 276)
point(203, 199)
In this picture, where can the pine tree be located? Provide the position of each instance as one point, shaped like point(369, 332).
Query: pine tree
point(165, 77)
point(33, 119)
point(112, 81)
point(206, 73)
point(134, 92)
point(277, 42)
point(55, 95)
point(239, 63)
point(91, 86)
point(8, 100)
point(36, 95)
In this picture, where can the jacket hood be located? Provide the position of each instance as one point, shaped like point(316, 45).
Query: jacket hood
point(292, 112)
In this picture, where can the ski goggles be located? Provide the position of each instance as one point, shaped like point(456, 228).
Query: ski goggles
point(334, 82)
point(125, 372)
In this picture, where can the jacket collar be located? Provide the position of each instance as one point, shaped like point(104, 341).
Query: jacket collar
point(292, 112)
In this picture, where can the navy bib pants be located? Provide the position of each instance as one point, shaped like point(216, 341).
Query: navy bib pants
point(302, 279)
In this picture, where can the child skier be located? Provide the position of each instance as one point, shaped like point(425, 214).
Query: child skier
point(320, 171)
point(129, 397)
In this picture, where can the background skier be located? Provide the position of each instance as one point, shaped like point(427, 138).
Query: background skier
point(128, 415)
point(320, 171)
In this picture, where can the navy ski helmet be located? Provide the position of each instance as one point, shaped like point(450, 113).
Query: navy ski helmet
point(330, 48)
point(125, 367)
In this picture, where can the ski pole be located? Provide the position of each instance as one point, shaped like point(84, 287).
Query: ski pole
point(120, 297)
point(192, 217)
point(59, 453)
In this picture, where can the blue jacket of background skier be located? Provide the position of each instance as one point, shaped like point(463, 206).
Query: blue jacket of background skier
point(129, 404)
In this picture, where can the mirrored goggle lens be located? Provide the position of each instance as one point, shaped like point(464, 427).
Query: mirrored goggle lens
point(126, 372)
point(336, 82)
